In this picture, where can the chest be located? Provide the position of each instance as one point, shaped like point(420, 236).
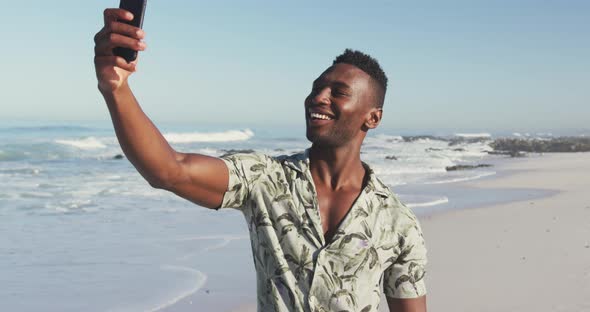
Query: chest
point(333, 208)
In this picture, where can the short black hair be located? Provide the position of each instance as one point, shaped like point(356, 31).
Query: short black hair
point(370, 66)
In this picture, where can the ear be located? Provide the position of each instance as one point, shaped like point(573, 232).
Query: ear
point(373, 118)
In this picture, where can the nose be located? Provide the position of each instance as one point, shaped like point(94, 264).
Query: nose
point(321, 96)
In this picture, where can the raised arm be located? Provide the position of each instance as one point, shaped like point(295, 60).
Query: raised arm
point(198, 178)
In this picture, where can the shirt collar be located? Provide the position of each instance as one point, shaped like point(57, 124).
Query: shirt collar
point(300, 163)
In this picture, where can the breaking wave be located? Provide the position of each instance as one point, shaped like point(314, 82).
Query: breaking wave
point(89, 143)
point(434, 202)
point(474, 135)
point(226, 136)
point(199, 281)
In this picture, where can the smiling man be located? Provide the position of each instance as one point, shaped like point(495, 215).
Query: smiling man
point(326, 233)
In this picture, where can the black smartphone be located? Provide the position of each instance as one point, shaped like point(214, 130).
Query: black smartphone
point(137, 8)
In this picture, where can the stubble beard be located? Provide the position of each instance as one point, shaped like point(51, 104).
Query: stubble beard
point(333, 137)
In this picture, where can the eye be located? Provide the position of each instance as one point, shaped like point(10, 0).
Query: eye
point(338, 92)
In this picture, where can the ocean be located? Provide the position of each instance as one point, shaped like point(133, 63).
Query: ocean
point(81, 230)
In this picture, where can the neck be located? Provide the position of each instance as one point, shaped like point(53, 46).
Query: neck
point(337, 167)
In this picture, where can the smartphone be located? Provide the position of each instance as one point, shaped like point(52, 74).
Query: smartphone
point(137, 8)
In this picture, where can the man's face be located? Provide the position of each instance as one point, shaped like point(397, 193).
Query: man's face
point(337, 106)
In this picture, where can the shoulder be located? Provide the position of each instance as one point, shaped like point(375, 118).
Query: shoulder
point(253, 161)
point(244, 155)
point(393, 210)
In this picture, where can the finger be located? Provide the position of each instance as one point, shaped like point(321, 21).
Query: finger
point(105, 45)
point(102, 45)
point(99, 35)
point(125, 29)
point(115, 61)
point(113, 14)
point(102, 34)
point(134, 62)
point(122, 63)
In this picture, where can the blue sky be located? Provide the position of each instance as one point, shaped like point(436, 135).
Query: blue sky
point(458, 64)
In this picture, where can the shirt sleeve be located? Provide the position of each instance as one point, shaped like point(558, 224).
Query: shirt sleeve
point(244, 169)
point(405, 277)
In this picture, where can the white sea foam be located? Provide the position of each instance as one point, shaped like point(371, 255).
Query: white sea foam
point(200, 279)
point(20, 171)
point(67, 206)
point(223, 243)
point(435, 202)
point(90, 143)
point(474, 135)
point(226, 136)
point(209, 151)
point(462, 179)
point(382, 139)
point(224, 240)
point(208, 237)
point(409, 170)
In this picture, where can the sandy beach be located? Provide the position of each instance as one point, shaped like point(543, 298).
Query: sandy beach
point(529, 255)
point(526, 255)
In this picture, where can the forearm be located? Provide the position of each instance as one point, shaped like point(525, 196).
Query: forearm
point(407, 305)
point(141, 141)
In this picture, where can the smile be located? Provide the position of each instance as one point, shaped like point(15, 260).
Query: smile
point(314, 116)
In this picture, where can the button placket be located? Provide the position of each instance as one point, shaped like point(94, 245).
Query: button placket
point(313, 301)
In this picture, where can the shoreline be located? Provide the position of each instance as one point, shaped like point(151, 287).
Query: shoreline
point(465, 195)
point(463, 243)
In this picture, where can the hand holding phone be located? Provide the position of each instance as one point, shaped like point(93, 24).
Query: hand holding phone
point(112, 71)
point(137, 8)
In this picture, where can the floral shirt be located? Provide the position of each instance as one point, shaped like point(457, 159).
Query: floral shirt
point(379, 240)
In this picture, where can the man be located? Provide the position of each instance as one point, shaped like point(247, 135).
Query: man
point(325, 232)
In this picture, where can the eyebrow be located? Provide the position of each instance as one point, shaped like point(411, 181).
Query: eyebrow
point(341, 84)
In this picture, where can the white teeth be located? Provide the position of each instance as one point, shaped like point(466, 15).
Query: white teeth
point(320, 116)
